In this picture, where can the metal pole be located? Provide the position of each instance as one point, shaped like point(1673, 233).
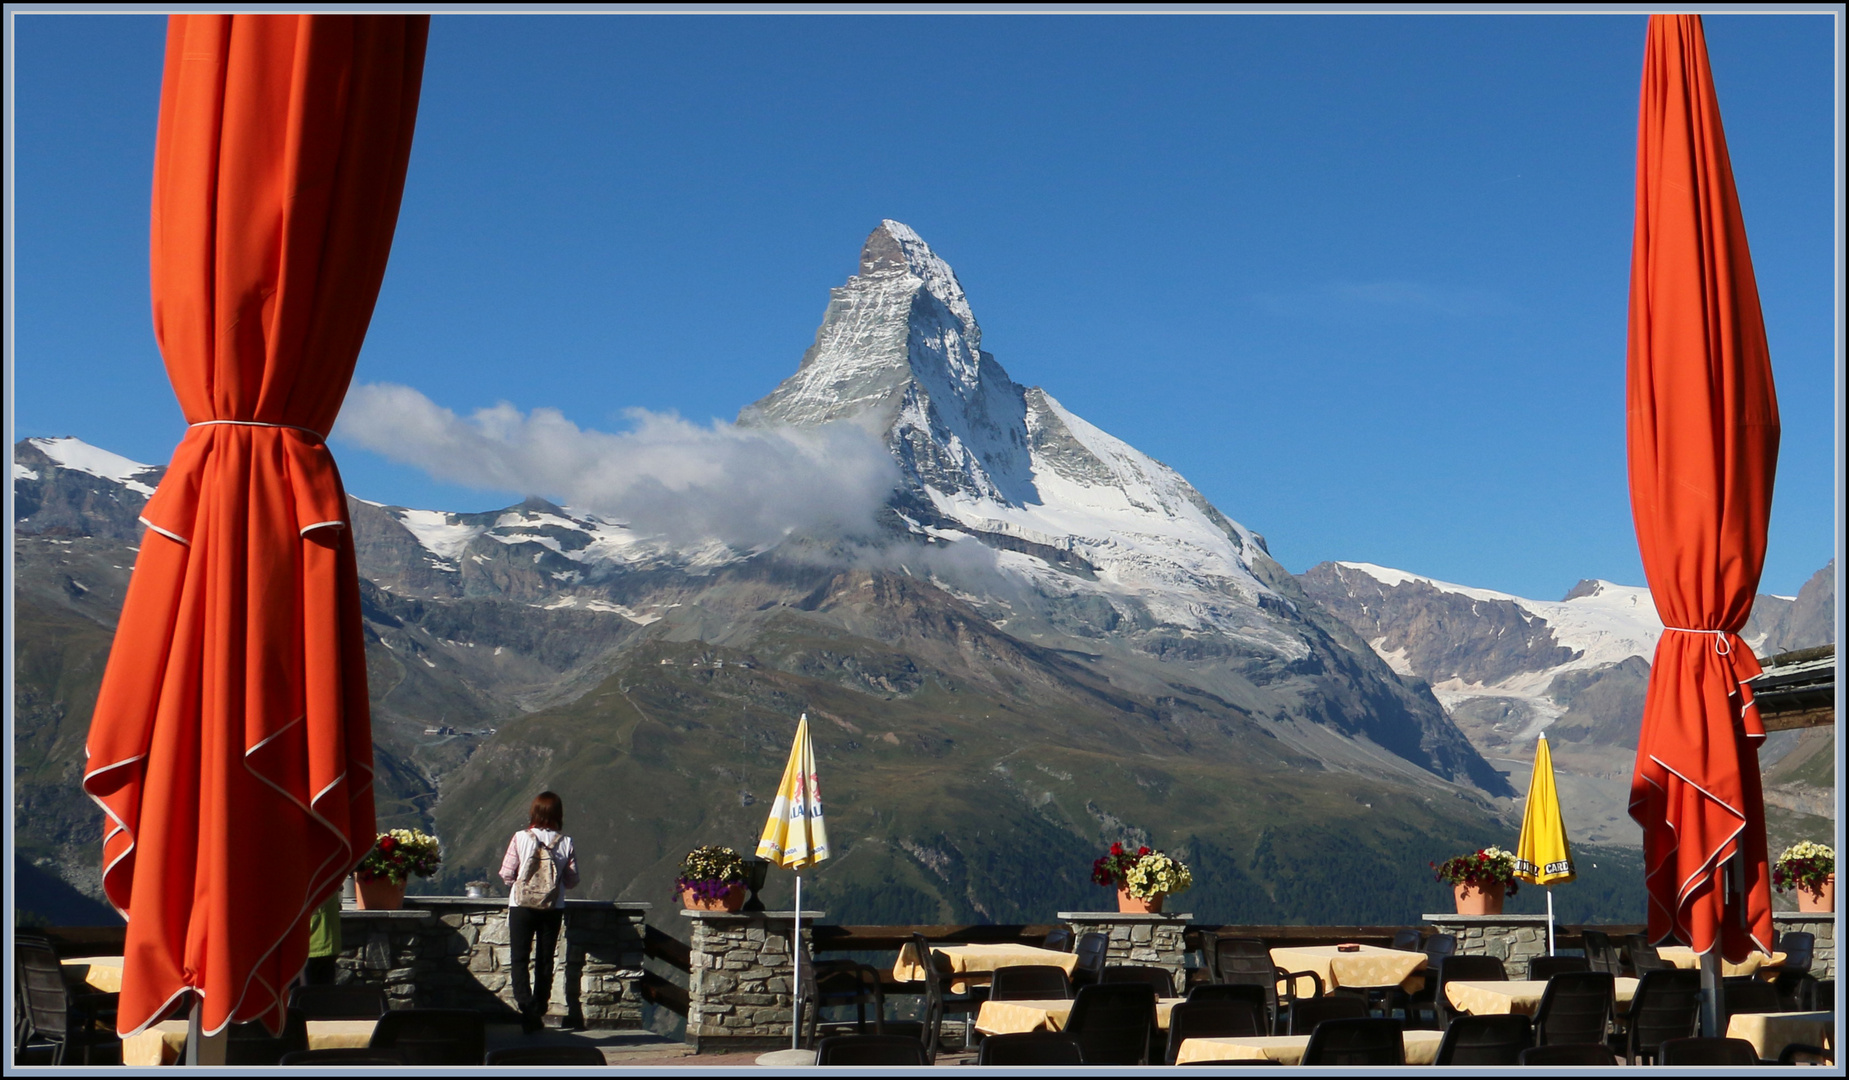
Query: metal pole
point(1711, 992)
point(796, 950)
point(203, 1049)
point(1550, 920)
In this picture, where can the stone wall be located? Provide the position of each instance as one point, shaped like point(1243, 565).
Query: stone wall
point(741, 987)
point(1513, 939)
point(453, 952)
point(1823, 925)
point(1139, 940)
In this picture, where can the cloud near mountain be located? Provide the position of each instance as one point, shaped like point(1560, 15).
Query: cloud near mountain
point(748, 487)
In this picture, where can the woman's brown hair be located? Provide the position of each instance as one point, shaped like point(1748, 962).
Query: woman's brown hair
point(548, 812)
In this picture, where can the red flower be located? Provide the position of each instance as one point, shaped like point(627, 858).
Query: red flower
point(1142, 851)
point(387, 844)
point(1117, 849)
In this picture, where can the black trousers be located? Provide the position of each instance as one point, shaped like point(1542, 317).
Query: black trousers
point(533, 933)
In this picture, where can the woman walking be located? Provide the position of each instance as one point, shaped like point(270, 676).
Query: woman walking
point(540, 865)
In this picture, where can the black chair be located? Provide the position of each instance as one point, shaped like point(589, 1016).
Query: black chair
point(1091, 949)
point(559, 1054)
point(1160, 978)
point(1213, 1018)
point(1030, 1048)
point(1245, 992)
point(1113, 1023)
point(1601, 954)
point(1644, 955)
point(1543, 968)
point(1747, 994)
point(432, 1036)
point(1059, 939)
point(1575, 1009)
point(1486, 1040)
point(939, 1003)
point(1570, 1054)
point(1028, 982)
point(1465, 968)
point(1247, 962)
point(252, 1044)
point(1407, 939)
point(1802, 1054)
point(1797, 988)
point(1307, 1014)
point(838, 983)
point(1667, 1005)
point(345, 1055)
point(339, 1002)
point(1436, 948)
point(1696, 1051)
point(1366, 1040)
point(870, 1050)
point(65, 1018)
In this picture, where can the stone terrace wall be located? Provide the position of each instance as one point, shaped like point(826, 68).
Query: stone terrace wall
point(1138, 940)
point(740, 986)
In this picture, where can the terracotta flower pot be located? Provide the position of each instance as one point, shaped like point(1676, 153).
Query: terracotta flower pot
point(1474, 901)
point(1136, 905)
point(379, 894)
point(1823, 898)
point(733, 900)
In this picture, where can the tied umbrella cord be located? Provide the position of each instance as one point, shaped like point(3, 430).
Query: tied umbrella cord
point(259, 423)
point(1722, 647)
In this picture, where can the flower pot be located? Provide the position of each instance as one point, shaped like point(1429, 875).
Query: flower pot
point(1136, 905)
point(1822, 898)
point(379, 894)
point(733, 900)
point(1474, 901)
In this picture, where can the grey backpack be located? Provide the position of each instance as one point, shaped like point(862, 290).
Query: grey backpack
point(540, 887)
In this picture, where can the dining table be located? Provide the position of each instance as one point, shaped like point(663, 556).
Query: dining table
point(95, 974)
point(972, 965)
point(1421, 1048)
point(1045, 1014)
point(165, 1043)
point(1770, 1033)
point(1520, 996)
point(1688, 959)
point(1364, 967)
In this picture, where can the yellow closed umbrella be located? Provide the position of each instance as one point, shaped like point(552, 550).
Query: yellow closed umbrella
point(795, 837)
point(1542, 855)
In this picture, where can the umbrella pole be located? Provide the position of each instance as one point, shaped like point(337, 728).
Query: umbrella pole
point(796, 951)
point(1550, 920)
point(1711, 992)
point(203, 1049)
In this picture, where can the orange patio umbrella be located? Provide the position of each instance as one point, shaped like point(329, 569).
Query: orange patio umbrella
point(231, 746)
point(1703, 437)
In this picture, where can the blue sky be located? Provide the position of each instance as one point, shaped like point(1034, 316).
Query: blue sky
point(1362, 279)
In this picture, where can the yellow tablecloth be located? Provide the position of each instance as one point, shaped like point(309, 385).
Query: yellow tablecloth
point(971, 964)
point(165, 1042)
point(99, 973)
point(1770, 1033)
point(1044, 1014)
point(1368, 966)
point(1519, 996)
point(1688, 959)
point(1421, 1048)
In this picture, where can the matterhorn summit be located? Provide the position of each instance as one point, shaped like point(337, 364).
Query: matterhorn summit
point(1076, 511)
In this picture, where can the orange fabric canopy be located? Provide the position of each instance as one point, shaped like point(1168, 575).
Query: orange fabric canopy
point(1703, 438)
point(231, 746)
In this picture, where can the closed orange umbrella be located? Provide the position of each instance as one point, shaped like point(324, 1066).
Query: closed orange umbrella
point(231, 746)
point(1703, 438)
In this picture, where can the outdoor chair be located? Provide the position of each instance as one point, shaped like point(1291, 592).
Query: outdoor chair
point(1576, 1008)
point(339, 1002)
point(557, 1054)
point(1802, 1054)
point(1667, 1005)
point(1570, 1054)
point(1245, 992)
point(1030, 1048)
point(1747, 994)
point(1028, 982)
point(870, 1050)
point(432, 1036)
point(1436, 948)
point(1211, 1018)
point(1367, 1040)
point(1486, 1040)
point(65, 1018)
point(1471, 968)
point(1407, 939)
point(1601, 954)
point(345, 1055)
point(252, 1044)
point(939, 1003)
point(1160, 978)
point(1059, 939)
point(1305, 1015)
point(1091, 948)
point(1644, 955)
point(1247, 961)
point(1698, 1051)
point(1113, 1023)
point(1543, 968)
point(838, 983)
point(1794, 982)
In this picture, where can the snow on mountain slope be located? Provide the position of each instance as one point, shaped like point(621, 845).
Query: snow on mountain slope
point(80, 456)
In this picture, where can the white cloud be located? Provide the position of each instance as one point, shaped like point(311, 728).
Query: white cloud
point(749, 487)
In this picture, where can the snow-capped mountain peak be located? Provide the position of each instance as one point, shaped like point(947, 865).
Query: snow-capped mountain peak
point(79, 456)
